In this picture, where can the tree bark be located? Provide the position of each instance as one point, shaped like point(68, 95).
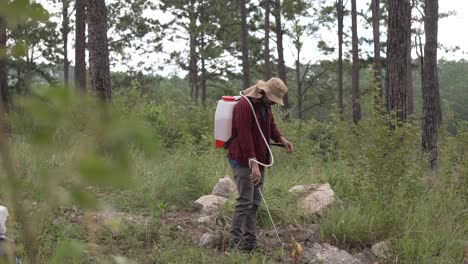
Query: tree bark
point(266, 50)
point(355, 76)
point(375, 5)
point(397, 41)
point(5, 99)
point(299, 87)
point(203, 69)
point(65, 31)
point(279, 44)
point(431, 113)
point(193, 67)
point(244, 45)
point(99, 50)
point(340, 58)
point(409, 74)
point(80, 46)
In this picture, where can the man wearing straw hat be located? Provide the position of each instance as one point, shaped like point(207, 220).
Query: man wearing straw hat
point(249, 153)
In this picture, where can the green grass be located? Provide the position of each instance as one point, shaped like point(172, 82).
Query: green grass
point(386, 192)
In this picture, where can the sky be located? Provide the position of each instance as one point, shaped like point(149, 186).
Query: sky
point(451, 34)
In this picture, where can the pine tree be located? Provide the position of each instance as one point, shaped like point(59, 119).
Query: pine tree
point(80, 46)
point(99, 50)
point(355, 76)
point(431, 115)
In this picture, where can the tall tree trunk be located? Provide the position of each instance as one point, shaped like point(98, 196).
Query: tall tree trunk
point(431, 112)
point(244, 45)
point(80, 46)
point(340, 58)
point(27, 71)
point(279, 45)
point(299, 87)
point(355, 99)
point(193, 67)
point(397, 41)
point(409, 74)
point(65, 31)
point(203, 69)
point(3, 66)
point(266, 50)
point(377, 60)
point(99, 50)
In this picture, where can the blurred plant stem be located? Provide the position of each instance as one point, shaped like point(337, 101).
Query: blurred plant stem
point(14, 192)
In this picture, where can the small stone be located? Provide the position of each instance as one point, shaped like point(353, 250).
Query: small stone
point(207, 240)
point(208, 204)
point(327, 254)
point(225, 187)
point(381, 250)
point(204, 219)
point(3, 219)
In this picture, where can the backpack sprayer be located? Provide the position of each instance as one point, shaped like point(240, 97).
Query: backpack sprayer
point(223, 133)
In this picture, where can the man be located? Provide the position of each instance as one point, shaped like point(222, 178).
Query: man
point(246, 148)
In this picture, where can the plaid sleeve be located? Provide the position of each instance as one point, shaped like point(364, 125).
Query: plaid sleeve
point(243, 117)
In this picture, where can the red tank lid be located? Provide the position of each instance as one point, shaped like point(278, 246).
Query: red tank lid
point(228, 98)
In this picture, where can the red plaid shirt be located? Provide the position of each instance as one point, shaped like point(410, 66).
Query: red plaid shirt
point(249, 142)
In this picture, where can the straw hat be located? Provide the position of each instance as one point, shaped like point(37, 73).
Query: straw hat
point(274, 90)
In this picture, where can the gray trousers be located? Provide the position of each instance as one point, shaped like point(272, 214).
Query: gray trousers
point(244, 219)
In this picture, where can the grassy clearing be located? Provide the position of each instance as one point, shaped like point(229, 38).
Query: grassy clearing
point(379, 175)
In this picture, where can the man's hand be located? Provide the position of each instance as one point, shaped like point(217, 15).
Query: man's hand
point(255, 174)
point(289, 146)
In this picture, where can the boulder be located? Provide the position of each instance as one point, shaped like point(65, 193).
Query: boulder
point(314, 198)
point(327, 254)
point(225, 187)
point(381, 250)
point(208, 204)
point(3, 219)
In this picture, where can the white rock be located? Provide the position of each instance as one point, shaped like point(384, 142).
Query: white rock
point(381, 250)
point(3, 219)
point(225, 187)
point(314, 198)
point(206, 240)
point(209, 203)
point(204, 219)
point(327, 254)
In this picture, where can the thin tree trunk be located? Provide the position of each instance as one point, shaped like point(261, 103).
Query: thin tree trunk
point(377, 60)
point(244, 45)
point(203, 73)
point(266, 50)
point(355, 76)
point(99, 50)
point(27, 73)
point(430, 87)
point(5, 99)
point(80, 46)
point(398, 26)
point(193, 68)
point(340, 58)
point(299, 87)
point(279, 45)
point(409, 75)
point(65, 32)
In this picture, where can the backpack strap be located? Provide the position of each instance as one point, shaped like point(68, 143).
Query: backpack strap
point(234, 135)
